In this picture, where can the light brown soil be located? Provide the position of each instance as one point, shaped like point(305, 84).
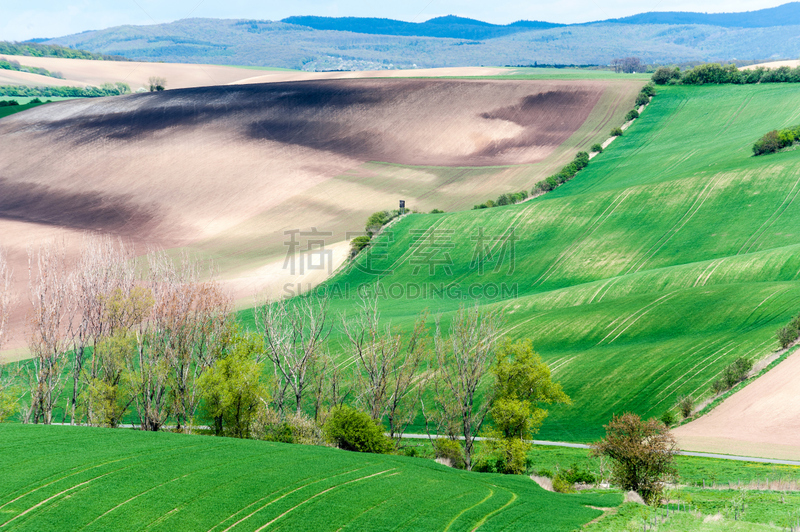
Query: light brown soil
point(226, 171)
point(81, 72)
point(762, 420)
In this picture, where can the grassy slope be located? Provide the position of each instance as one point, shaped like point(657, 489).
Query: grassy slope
point(130, 480)
point(674, 253)
point(8, 111)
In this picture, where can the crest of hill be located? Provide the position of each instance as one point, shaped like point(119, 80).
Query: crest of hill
point(783, 15)
point(451, 27)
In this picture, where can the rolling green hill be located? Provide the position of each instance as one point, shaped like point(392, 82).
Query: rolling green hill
point(73, 478)
point(672, 254)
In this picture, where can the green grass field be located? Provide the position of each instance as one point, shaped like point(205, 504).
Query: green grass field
point(672, 254)
point(74, 478)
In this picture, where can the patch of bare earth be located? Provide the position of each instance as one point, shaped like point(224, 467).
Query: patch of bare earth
point(762, 419)
point(228, 171)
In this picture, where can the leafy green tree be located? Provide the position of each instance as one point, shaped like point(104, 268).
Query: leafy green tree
point(522, 385)
point(596, 148)
point(664, 75)
point(234, 389)
point(353, 430)
point(642, 455)
point(109, 393)
point(616, 132)
point(632, 114)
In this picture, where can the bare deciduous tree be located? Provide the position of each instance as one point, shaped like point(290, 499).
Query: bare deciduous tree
point(104, 271)
point(294, 335)
point(5, 295)
point(463, 360)
point(180, 340)
point(387, 369)
point(51, 298)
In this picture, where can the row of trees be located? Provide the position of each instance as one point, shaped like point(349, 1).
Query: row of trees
point(52, 50)
point(776, 140)
point(715, 73)
point(113, 338)
point(106, 89)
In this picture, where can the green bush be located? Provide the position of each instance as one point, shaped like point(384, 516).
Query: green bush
point(616, 132)
point(776, 140)
point(737, 371)
point(562, 485)
point(437, 211)
point(632, 114)
point(668, 418)
point(449, 450)
point(686, 404)
point(664, 75)
point(649, 90)
point(357, 244)
point(8, 103)
point(790, 333)
point(578, 475)
point(642, 99)
point(596, 148)
point(352, 430)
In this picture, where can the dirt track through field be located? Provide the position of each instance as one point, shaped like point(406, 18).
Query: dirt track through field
point(753, 421)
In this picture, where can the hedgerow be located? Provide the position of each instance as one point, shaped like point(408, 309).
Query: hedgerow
point(580, 162)
point(107, 89)
point(717, 74)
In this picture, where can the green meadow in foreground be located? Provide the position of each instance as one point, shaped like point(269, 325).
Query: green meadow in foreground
point(75, 478)
point(671, 255)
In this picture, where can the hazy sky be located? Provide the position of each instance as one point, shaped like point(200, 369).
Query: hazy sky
point(55, 18)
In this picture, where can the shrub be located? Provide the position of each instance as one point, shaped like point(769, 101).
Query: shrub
point(450, 450)
point(436, 211)
point(352, 430)
point(649, 90)
point(686, 404)
point(8, 103)
point(562, 485)
point(642, 99)
point(790, 333)
point(596, 148)
point(632, 114)
point(642, 454)
point(668, 418)
point(376, 221)
point(663, 75)
point(545, 473)
point(718, 386)
point(737, 371)
point(578, 475)
point(616, 132)
point(357, 244)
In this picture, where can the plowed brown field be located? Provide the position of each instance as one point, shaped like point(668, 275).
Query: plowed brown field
point(227, 170)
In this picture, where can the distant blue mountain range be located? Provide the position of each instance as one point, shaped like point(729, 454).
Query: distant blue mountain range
point(466, 28)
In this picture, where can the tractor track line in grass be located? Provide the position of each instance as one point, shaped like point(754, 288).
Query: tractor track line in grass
point(459, 514)
point(643, 309)
point(700, 362)
point(616, 202)
point(665, 299)
point(131, 499)
point(709, 380)
point(273, 501)
point(779, 290)
point(320, 494)
point(691, 352)
point(59, 480)
point(203, 469)
point(42, 503)
point(490, 514)
point(130, 457)
point(756, 236)
point(736, 114)
point(682, 221)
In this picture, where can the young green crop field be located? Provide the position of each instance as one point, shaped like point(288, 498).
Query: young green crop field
point(671, 255)
point(75, 478)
